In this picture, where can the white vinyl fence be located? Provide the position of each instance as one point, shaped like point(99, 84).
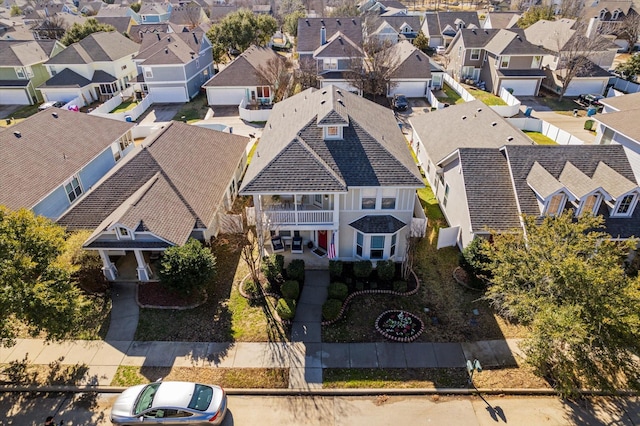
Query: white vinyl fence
point(562, 137)
point(625, 86)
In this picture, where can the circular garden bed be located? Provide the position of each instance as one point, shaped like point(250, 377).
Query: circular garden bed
point(399, 326)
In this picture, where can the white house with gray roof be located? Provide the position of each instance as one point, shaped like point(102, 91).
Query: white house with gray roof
point(332, 166)
point(177, 185)
point(486, 174)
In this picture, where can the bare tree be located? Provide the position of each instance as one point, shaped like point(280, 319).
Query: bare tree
point(371, 70)
point(571, 8)
point(192, 14)
point(307, 73)
point(576, 54)
point(50, 28)
point(276, 72)
point(629, 30)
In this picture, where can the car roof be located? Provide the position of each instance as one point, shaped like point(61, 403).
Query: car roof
point(173, 394)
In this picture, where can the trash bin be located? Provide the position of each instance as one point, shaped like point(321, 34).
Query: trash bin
point(591, 111)
point(128, 118)
point(588, 125)
point(527, 112)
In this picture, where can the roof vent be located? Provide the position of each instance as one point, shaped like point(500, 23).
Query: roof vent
point(324, 92)
point(353, 21)
point(479, 110)
point(322, 102)
point(473, 30)
point(307, 21)
point(17, 134)
point(510, 138)
point(166, 50)
point(322, 22)
point(338, 21)
point(54, 114)
point(195, 38)
point(494, 124)
point(464, 117)
point(339, 92)
point(158, 34)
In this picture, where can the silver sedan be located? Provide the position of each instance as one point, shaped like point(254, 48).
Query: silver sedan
point(170, 403)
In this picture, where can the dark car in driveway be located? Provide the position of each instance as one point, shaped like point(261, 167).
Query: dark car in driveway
point(590, 99)
point(400, 103)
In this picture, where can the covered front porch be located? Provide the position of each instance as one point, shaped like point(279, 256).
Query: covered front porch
point(131, 265)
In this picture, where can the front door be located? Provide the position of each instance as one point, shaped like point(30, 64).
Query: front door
point(322, 239)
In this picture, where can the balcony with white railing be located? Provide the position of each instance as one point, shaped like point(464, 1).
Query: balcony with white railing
point(298, 210)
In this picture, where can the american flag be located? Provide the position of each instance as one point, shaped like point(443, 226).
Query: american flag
point(332, 247)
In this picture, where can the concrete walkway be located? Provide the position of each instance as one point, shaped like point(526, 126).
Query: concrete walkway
point(305, 356)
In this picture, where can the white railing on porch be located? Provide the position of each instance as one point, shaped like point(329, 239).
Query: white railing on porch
point(290, 217)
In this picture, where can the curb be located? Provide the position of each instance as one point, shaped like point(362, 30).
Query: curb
point(329, 392)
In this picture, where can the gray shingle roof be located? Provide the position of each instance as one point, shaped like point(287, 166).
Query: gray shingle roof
point(242, 71)
point(451, 18)
point(47, 152)
point(19, 53)
point(624, 122)
point(120, 23)
point(398, 21)
point(378, 224)
point(338, 45)
point(66, 78)
point(411, 61)
point(587, 159)
point(100, 76)
point(170, 49)
point(97, 47)
point(543, 182)
point(502, 19)
point(474, 39)
point(512, 42)
point(621, 103)
point(293, 156)
point(490, 197)
point(309, 31)
point(552, 35)
point(443, 131)
point(168, 187)
point(577, 182)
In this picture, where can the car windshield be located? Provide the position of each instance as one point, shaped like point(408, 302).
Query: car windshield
point(201, 398)
point(145, 399)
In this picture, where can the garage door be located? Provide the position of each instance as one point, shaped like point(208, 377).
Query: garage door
point(226, 96)
point(521, 87)
point(14, 97)
point(411, 89)
point(581, 87)
point(161, 95)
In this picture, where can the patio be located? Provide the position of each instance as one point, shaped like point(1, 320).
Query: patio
point(127, 266)
point(311, 260)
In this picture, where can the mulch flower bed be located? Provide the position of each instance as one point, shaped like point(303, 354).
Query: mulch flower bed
point(399, 326)
point(155, 295)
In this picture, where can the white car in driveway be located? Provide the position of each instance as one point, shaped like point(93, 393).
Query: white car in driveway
point(440, 50)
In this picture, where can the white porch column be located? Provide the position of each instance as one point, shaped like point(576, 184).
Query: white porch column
point(143, 268)
point(336, 210)
point(108, 268)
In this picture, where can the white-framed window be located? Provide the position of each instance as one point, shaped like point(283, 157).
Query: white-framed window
point(446, 195)
point(368, 196)
point(359, 244)
point(475, 54)
point(73, 188)
point(148, 72)
point(330, 64)
point(376, 250)
point(555, 205)
point(388, 201)
point(602, 15)
point(615, 15)
point(536, 61)
point(504, 61)
point(392, 249)
point(264, 92)
point(590, 204)
point(20, 73)
point(467, 72)
point(108, 88)
point(123, 232)
point(332, 131)
point(625, 206)
point(317, 199)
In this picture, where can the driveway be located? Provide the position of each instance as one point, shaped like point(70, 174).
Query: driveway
point(160, 113)
point(568, 123)
point(7, 110)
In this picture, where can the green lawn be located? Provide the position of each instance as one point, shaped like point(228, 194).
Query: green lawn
point(487, 98)
point(195, 110)
point(451, 97)
point(124, 107)
point(20, 114)
point(552, 101)
point(540, 139)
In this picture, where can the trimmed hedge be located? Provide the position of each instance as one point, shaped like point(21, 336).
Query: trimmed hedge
point(251, 288)
point(331, 309)
point(295, 270)
point(335, 268)
point(286, 309)
point(272, 267)
point(290, 290)
point(362, 268)
point(338, 291)
point(386, 270)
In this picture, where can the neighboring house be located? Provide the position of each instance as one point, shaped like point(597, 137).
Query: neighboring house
point(441, 27)
point(219, 11)
point(55, 156)
point(607, 17)
point(488, 182)
point(501, 58)
point(240, 79)
point(138, 32)
point(383, 7)
point(174, 66)
point(14, 29)
point(122, 24)
point(95, 68)
point(414, 72)
point(190, 15)
point(392, 29)
point(153, 13)
point(22, 69)
point(619, 124)
point(311, 35)
point(115, 10)
point(176, 187)
point(558, 37)
point(500, 20)
point(334, 168)
point(262, 9)
point(53, 27)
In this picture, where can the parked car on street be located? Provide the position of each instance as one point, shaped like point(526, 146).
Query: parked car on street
point(400, 102)
point(170, 403)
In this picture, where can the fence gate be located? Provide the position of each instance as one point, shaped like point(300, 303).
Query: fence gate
point(448, 237)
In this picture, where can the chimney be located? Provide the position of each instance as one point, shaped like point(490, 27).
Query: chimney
point(323, 36)
point(592, 28)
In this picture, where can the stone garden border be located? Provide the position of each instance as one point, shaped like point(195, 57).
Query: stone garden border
point(262, 296)
point(400, 339)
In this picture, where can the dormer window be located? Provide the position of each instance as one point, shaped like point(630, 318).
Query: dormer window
point(475, 54)
point(333, 132)
point(589, 204)
point(504, 61)
point(123, 232)
point(602, 15)
point(615, 15)
point(555, 204)
point(73, 188)
point(625, 205)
